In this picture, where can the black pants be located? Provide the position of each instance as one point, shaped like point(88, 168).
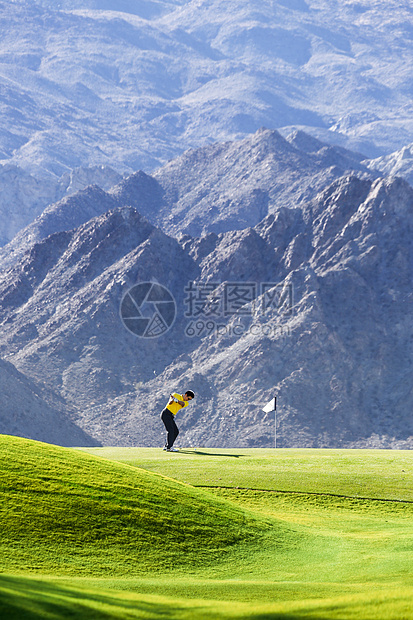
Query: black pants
point(167, 418)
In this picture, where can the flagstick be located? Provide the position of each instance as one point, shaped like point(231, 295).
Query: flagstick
point(272, 406)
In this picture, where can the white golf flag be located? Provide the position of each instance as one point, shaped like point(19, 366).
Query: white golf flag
point(271, 406)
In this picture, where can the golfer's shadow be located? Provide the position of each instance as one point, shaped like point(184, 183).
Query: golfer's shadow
point(184, 451)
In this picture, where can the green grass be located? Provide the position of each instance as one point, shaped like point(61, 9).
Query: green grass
point(32, 599)
point(384, 474)
point(275, 534)
point(82, 513)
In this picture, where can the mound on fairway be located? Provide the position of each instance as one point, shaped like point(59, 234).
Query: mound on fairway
point(64, 511)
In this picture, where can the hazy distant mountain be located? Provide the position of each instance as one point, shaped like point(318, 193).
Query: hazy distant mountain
point(24, 196)
point(64, 215)
point(312, 303)
point(133, 84)
point(26, 412)
point(211, 189)
point(399, 163)
point(235, 185)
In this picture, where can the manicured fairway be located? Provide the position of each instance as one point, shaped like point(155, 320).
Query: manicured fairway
point(383, 474)
point(272, 534)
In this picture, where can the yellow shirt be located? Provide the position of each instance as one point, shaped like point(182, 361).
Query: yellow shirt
point(175, 407)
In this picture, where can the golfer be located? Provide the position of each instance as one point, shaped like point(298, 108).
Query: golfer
point(176, 403)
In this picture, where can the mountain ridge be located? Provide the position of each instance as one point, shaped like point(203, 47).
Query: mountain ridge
point(198, 193)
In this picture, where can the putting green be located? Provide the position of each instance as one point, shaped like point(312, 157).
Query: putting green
point(380, 474)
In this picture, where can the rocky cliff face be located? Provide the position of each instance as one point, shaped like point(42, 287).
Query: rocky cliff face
point(312, 302)
point(399, 163)
point(216, 188)
point(64, 215)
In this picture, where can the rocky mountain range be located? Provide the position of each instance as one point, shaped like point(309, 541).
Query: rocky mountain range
point(301, 293)
point(132, 84)
point(211, 189)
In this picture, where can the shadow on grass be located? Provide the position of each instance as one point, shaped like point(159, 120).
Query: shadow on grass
point(193, 451)
point(33, 599)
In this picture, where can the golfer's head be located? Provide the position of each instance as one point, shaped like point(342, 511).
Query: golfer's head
point(189, 395)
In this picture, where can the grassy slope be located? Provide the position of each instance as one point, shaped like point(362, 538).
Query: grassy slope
point(239, 553)
point(89, 515)
point(32, 599)
point(342, 544)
